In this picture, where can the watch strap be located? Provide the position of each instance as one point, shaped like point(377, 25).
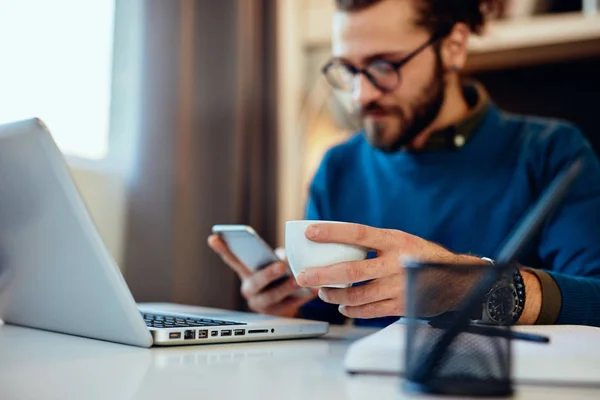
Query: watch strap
point(551, 297)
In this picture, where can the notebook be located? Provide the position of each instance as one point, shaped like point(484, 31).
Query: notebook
point(571, 358)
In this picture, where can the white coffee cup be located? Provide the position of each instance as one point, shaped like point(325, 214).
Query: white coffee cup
point(303, 253)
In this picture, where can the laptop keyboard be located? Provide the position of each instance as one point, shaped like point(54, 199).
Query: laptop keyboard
point(169, 321)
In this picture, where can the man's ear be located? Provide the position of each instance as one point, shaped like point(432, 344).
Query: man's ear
point(454, 47)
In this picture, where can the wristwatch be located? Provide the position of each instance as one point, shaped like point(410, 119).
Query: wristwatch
point(503, 304)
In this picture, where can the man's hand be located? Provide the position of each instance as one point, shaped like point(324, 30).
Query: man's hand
point(276, 300)
point(384, 294)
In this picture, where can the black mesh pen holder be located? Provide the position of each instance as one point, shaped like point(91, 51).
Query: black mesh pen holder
point(477, 359)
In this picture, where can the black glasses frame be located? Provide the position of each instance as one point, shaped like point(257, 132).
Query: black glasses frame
point(394, 65)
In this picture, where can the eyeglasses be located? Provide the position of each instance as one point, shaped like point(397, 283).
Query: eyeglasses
point(384, 75)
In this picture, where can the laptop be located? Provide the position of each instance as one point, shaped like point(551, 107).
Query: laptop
point(57, 274)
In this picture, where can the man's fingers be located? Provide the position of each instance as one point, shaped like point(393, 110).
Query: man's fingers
point(355, 234)
point(267, 299)
point(384, 308)
point(218, 245)
point(255, 283)
point(289, 307)
point(377, 290)
point(349, 272)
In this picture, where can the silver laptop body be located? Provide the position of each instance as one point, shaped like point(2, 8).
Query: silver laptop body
point(57, 275)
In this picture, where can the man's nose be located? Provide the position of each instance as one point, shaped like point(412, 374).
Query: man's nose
point(364, 92)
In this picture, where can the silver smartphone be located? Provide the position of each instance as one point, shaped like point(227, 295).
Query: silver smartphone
point(247, 245)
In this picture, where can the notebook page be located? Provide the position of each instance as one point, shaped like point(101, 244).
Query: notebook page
point(572, 356)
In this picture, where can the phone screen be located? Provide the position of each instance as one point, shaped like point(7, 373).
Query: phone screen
point(250, 249)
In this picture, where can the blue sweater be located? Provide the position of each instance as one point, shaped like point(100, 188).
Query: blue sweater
point(469, 200)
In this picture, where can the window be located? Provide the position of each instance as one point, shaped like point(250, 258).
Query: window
point(56, 64)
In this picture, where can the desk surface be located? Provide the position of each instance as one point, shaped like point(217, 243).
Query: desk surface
point(43, 365)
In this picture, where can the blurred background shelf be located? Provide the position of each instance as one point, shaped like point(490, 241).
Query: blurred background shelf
point(536, 40)
point(507, 43)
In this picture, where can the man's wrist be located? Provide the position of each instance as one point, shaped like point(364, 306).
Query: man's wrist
point(533, 304)
point(468, 259)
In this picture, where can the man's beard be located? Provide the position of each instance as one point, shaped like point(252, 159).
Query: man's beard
point(424, 111)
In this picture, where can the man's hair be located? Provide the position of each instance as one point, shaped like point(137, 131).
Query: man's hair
point(437, 15)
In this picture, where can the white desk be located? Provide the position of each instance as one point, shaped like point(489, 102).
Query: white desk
point(43, 365)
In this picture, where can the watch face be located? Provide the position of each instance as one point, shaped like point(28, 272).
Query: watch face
point(501, 304)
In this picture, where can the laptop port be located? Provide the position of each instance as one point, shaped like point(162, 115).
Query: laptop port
point(189, 334)
point(202, 334)
point(175, 335)
point(226, 333)
point(251, 331)
point(214, 333)
point(239, 332)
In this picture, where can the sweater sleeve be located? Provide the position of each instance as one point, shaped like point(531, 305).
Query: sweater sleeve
point(570, 242)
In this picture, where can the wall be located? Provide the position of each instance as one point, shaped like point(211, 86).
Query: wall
point(566, 90)
point(105, 196)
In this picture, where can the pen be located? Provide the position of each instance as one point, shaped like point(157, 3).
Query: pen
point(494, 332)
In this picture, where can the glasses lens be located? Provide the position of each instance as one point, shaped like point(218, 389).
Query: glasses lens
point(384, 74)
point(339, 76)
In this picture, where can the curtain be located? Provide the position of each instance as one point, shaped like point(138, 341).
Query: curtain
point(206, 145)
